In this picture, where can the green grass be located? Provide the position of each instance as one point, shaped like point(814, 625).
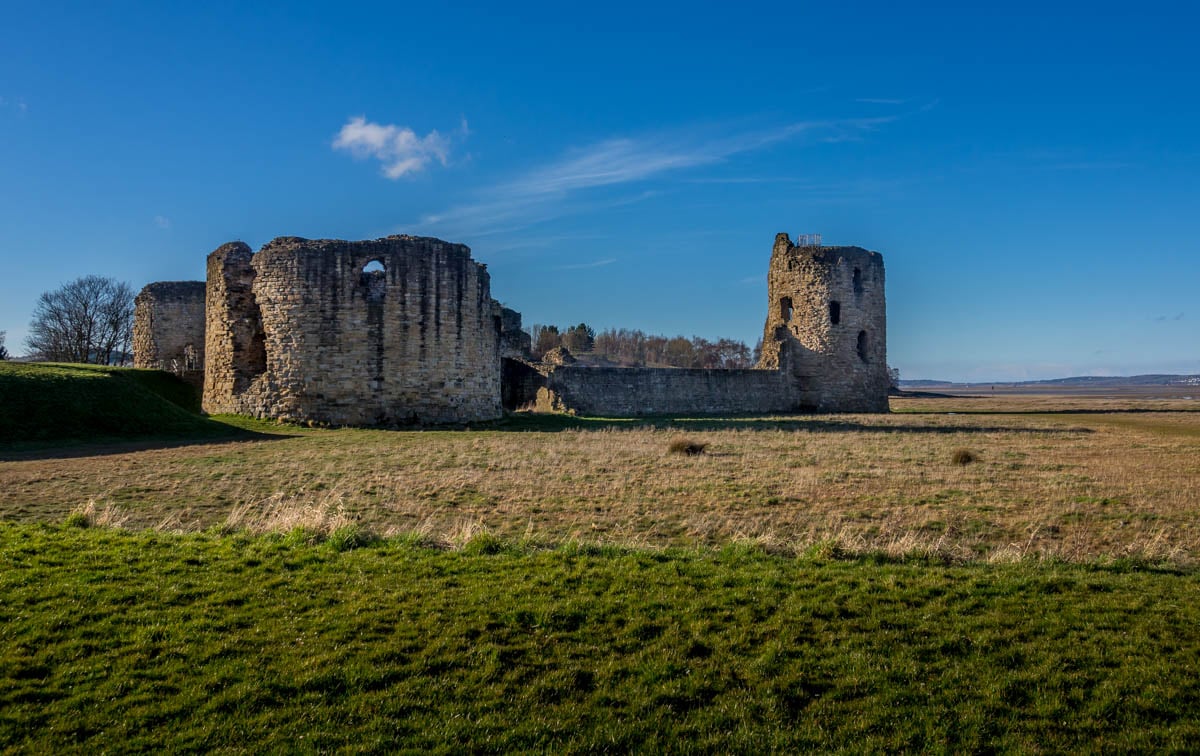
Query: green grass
point(146, 641)
point(49, 402)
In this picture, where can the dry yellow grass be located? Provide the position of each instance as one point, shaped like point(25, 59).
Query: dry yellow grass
point(1061, 477)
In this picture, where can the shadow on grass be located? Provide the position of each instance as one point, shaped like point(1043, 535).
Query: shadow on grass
point(553, 423)
point(208, 431)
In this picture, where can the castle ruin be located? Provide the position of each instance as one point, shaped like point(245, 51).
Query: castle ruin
point(404, 330)
point(168, 327)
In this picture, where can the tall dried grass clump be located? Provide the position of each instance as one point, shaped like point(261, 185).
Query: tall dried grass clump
point(91, 516)
point(323, 520)
point(686, 446)
point(964, 457)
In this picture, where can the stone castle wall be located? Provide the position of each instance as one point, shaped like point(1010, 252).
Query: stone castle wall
point(827, 325)
point(515, 343)
point(633, 392)
point(168, 327)
point(306, 330)
point(404, 329)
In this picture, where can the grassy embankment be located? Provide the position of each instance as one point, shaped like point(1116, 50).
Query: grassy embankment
point(44, 403)
point(117, 640)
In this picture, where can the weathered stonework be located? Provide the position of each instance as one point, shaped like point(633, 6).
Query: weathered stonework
point(515, 343)
point(168, 327)
point(404, 330)
point(827, 325)
point(308, 330)
point(632, 392)
point(824, 350)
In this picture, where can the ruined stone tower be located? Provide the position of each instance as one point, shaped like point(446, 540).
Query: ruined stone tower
point(168, 327)
point(389, 331)
point(827, 325)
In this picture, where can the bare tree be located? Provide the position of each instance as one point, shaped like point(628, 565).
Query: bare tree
point(87, 320)
point(3, 351)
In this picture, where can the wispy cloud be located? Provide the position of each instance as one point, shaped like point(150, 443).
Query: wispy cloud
point(1165, 318)
point(556, 188)
point(880, 101)
point(398, 148)
point(162, 221)
point(583, 266)
point(18, 105)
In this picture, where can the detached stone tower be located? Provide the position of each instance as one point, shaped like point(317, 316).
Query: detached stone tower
point(168, 328)
point(382, 332)
point(827, 324)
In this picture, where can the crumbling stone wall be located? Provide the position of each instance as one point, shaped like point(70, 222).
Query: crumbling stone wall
point(519, 383)
point(827, 324)
point(234, 337)
point(309, 330)
point(404, 329)
point(168, 327)
point(515, 343)
point(824, 350)
point(633, 392)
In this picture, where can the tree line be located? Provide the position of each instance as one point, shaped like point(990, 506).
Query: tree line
point(635, 348)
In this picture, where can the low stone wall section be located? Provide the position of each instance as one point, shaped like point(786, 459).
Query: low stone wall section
point(632, 392)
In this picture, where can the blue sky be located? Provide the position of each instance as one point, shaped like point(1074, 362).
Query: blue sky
point(1029, 171)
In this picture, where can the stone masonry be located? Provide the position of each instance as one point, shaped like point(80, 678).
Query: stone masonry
point(391, 331)
point(824, 350)
point(827, 325)
point(168, 327)
point(404, 330)
point(632, 392)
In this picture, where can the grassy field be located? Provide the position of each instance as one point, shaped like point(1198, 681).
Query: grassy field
point(964, 574)
point(150, 641)
point(1076, 479)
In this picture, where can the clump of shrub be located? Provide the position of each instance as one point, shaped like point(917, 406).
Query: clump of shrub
point(964, 457)
point(77, 519)
point(685, 445)
point(91, 516)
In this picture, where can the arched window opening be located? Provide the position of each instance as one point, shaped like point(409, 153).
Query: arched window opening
point(835, 312)
point(374, 280)
point(862, 345)
point(858, 281)
point(785, 309)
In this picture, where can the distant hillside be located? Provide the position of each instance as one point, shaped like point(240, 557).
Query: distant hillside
point(1093, 381)
point(55, 402)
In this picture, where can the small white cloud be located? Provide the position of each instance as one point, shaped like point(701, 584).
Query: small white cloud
point(880, 101)
point(162, 221)
point(398, 147)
